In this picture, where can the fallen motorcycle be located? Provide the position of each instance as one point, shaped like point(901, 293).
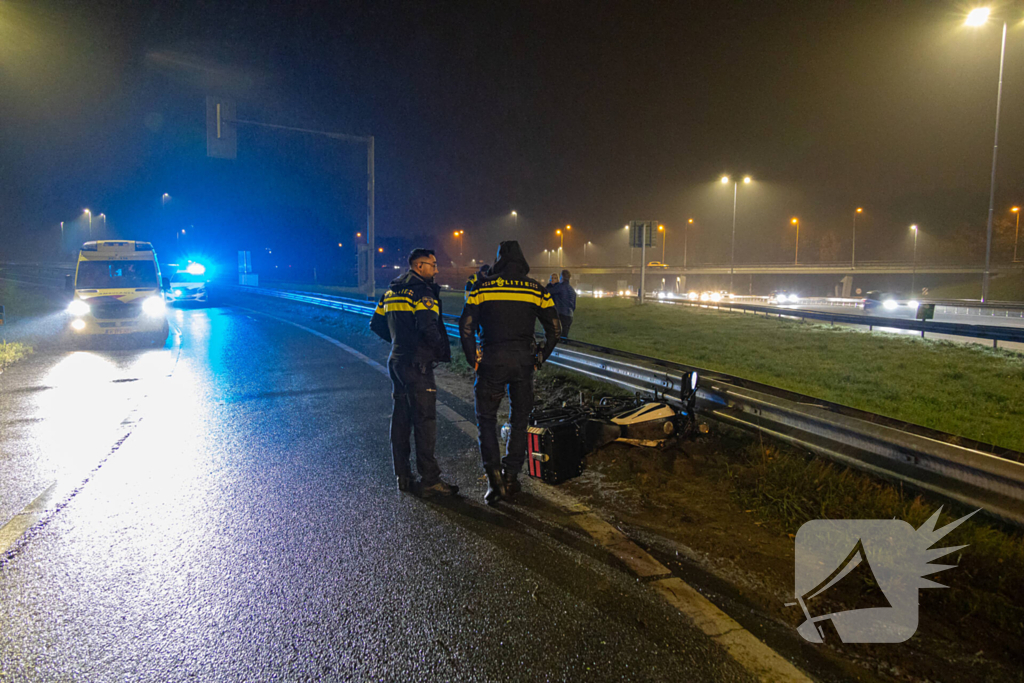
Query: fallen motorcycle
point(560, 438)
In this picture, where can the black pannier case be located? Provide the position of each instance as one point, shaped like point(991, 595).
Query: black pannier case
point(555, 450)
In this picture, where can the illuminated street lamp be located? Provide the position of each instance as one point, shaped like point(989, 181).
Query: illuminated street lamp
point(177, 236)
point(853, 253)
point(913, 278)
point(664, 239)
point(88, 213)
point(796, 221)
point(515, 218)
point(561, 242)
point(732, 250)
point(458, 235)
point(585, 244)
point(164, 198)
point(104, 217)
point(979, 17)
point(1017, 230)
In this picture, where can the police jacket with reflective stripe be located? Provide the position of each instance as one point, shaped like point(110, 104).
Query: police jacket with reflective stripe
point(409, 317)
point(505, 310)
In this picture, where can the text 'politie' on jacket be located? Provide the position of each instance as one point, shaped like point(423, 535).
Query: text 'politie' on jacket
point(505, 306)
point(409, 317)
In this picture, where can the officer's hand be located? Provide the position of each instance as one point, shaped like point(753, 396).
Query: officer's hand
point(538, 360)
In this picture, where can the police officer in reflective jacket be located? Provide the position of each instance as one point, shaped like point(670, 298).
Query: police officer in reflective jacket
point(505, 305)
point(409, 318)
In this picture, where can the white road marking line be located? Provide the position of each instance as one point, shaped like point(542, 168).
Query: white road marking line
point(26, 519)
point(749, 652)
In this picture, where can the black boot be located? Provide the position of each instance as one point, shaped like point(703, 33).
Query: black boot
point(407, 485)
point(441, 488)
point(495, 486)
point(511, 482)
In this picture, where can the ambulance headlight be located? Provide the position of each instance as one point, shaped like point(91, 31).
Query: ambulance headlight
point(913, 304)
point(693, 381)
point(153, 306)
point(78, 307)
point(889, 304)
point(78, 324)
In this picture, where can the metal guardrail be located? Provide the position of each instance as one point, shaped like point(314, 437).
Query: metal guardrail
point(994, 333)
point(969, 472)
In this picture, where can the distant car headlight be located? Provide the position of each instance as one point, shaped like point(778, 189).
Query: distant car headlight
point(661, 295)
point(913, 304)
point(793, 298)
point(890, 304)
point(78, 307)
point(153, 306)
point(715, 296)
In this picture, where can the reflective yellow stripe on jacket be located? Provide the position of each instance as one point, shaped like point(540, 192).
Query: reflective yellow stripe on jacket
point(530, 296)
point(393, 303)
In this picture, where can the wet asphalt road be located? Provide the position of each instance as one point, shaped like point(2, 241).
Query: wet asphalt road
point(248, 529)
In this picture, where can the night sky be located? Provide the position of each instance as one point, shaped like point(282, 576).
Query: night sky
point(590, 114)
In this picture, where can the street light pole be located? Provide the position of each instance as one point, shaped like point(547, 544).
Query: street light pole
point(515, 219)
point(796, 258)
point(913, 277)
point(978, 17)
point(585, 252)
point(1017, 230)
point(689, 222)
point(732, 251)
point(664, 241)
point(853, 253)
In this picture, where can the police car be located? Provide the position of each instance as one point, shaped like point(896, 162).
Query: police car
point(188, 285)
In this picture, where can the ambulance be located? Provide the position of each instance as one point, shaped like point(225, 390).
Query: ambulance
point(118, 290)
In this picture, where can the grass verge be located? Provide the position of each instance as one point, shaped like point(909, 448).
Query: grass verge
point(789, 489)
point(12, 353)
point(27, 301)
point(967, 390)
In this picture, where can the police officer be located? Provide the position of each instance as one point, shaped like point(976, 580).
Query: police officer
point(409, 318)
point(505, 306)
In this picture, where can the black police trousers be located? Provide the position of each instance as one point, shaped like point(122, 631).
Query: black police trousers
point(492, 381)
point(415, 394)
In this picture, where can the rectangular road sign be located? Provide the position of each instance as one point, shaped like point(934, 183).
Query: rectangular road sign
point(639, 230)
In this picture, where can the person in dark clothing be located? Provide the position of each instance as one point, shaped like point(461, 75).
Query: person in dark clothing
point(504, 307)
point(409, 318)
point(484, 270)
point(564, 297)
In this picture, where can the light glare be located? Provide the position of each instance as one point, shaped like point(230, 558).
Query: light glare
point(978, 16)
